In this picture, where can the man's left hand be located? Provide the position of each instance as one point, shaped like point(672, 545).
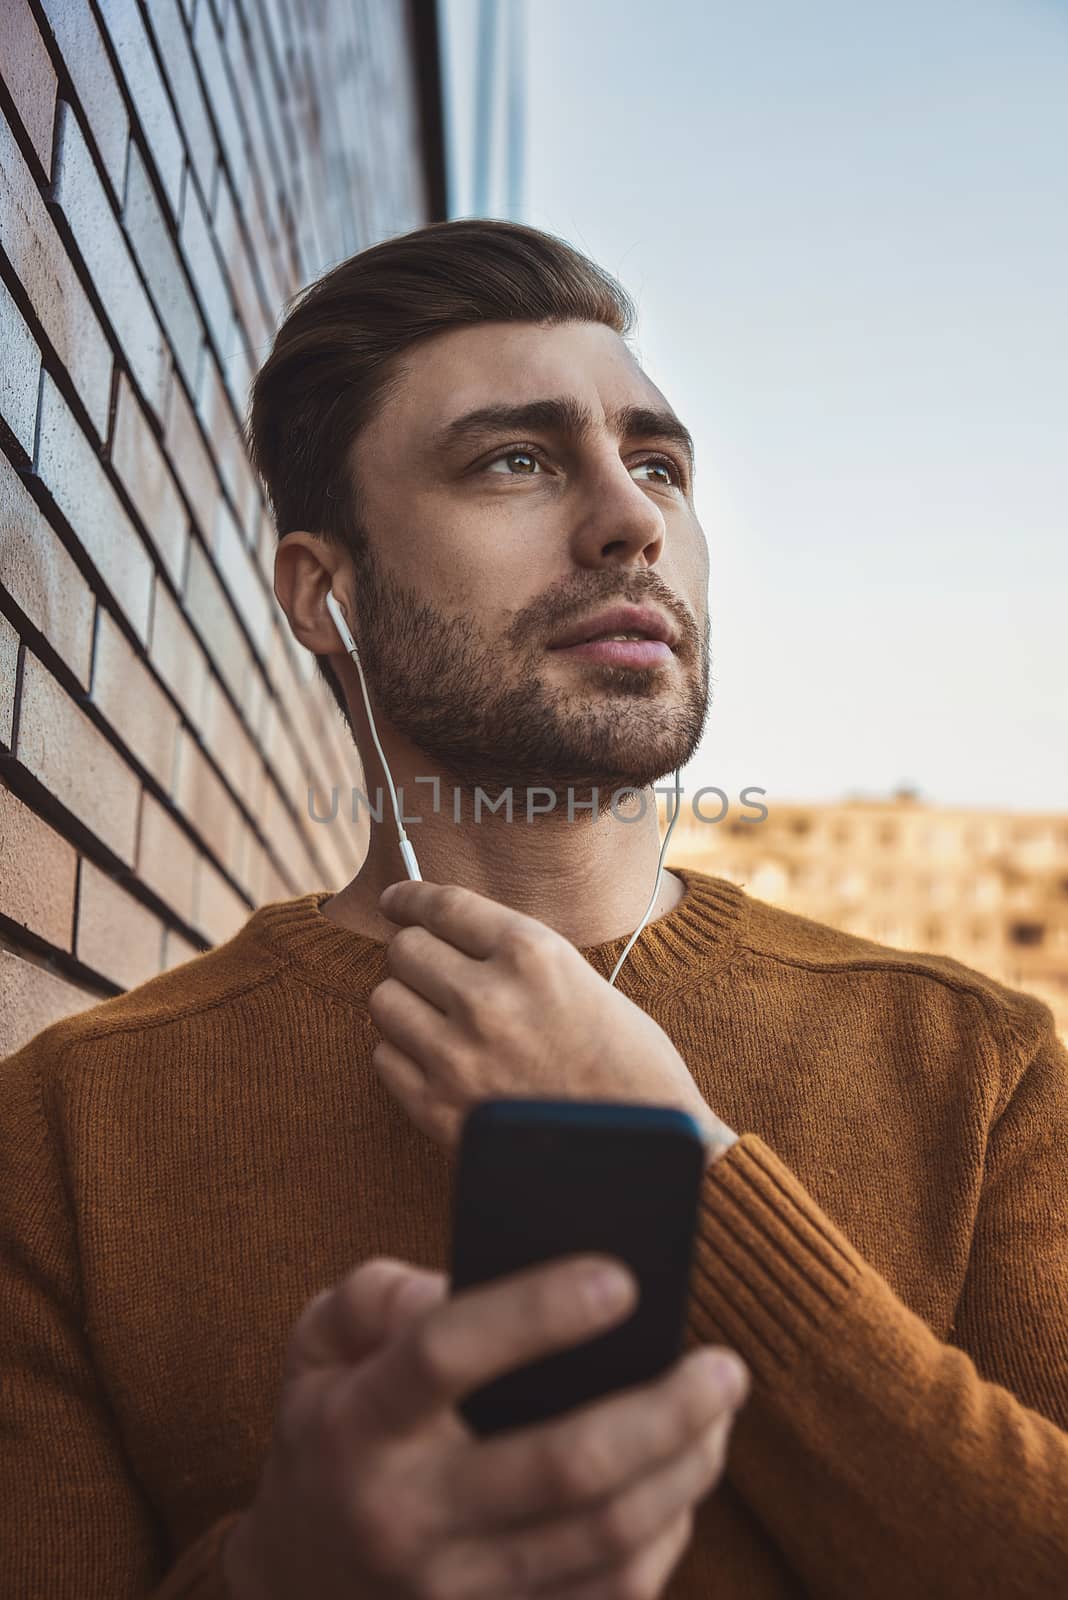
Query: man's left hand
point(484, 1003)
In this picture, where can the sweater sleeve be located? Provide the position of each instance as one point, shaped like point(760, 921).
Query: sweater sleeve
point(73, 1521)
point(882, 1461)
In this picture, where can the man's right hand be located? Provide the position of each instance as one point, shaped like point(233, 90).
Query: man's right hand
point(374, 1485)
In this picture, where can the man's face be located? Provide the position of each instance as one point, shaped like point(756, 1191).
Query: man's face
point(483, 549)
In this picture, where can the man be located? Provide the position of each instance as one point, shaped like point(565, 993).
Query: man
point(231, 1363)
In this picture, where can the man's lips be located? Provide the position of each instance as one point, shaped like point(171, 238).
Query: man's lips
point(619, 652)
point(646, 620)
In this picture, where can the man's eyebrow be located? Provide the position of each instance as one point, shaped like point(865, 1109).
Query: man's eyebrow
point(564, 415)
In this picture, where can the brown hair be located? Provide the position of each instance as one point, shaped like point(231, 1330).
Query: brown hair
point(336, 356)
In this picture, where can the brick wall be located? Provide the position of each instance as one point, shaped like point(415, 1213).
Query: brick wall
point(171, 171)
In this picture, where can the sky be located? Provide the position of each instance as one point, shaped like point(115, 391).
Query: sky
point(845, 228)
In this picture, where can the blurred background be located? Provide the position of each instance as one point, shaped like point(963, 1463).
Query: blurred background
point(846, 232)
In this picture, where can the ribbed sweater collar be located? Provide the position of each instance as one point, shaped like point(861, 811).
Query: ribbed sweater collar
point(695, 938)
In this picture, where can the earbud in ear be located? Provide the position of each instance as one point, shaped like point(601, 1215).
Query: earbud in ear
point(340, 624)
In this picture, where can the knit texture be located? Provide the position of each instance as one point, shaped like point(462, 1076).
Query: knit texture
point(183, 1167)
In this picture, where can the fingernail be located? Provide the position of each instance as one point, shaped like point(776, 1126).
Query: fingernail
point(727, 1373)
point(607, 1288)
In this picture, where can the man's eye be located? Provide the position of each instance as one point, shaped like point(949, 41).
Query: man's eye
point(515, 455)
point(532, 456)
point(667, 464)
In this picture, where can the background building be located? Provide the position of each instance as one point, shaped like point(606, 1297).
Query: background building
point(989, 888)
point(171, 173)
point(485, 62)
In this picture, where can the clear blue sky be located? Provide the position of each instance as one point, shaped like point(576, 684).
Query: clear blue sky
point(846, 230)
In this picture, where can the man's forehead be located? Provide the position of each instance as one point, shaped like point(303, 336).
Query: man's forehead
point(496, 363)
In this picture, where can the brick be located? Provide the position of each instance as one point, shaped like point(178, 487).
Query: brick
point(283, 672)
point(231, 748)
point(280, 38)
point(262, 94)
point(125, 692)
point(63, 749)
point(331, 840)
point(212, 290)
point(30, 242)
point(225, 433)
point(31, 998)
point(257, 328)
point(124, 27)
point(285, 762)
point(177, 656)
point(241, 576)
point(336, 743)
point(190, 459)
point(278, 884)
point(71, 471)
point(85, 203)
point(117, 936)
point(95, 84)
point(201, 796)
point(287, 843)
point(42, 578)
point(29, 77)
point(158, 256)
point(9, 661)
point(176, 950)
point(169, 26)
point(37, 889)
point(266, 545)
point(147, 479)
point(265, 232)
point(207, 604)
point(237, 369)
point(209, 53)
point(20, 373)
point(255, 700)
point(220, 910)
point(166, 858)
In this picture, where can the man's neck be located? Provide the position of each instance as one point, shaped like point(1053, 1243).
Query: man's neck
point(589, 879)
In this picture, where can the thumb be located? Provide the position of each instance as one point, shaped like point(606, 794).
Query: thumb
point(347, 1323)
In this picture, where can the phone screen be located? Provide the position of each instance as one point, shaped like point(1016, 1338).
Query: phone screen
point(539, 1179)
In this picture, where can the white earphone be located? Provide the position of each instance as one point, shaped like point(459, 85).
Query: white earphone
point(411, 865)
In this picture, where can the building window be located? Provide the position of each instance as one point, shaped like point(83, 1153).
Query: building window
point(1027, 933)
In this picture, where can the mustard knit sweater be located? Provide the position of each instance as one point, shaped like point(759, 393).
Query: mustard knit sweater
point(184, 1166)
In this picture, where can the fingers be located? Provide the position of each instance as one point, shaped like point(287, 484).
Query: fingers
point(603, 1537)
point(407, 1021)
point(641, 1578)
point(430, 967)
point(483, 1332)
point(346, 1323)
point(594, 1452)
point(468, 921)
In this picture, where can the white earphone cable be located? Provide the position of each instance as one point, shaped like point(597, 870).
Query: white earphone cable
point(656, 885)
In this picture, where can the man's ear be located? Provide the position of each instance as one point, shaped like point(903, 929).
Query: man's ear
point(306, 566)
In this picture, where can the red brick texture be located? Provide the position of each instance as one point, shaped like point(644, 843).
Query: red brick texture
point(171, 174)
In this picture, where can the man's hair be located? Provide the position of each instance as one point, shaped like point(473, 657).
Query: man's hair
point(337, 356)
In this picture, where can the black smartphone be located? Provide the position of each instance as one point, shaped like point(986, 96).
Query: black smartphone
point(538, 1179)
